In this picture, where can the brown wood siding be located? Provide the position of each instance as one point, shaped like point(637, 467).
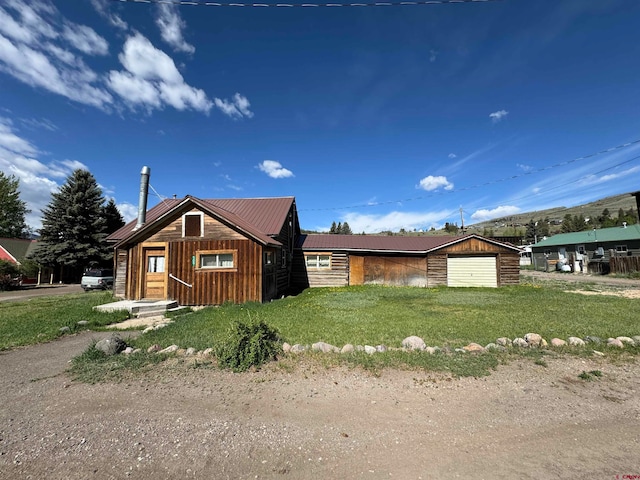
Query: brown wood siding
point(120, 281)
point(437, 269)
point(509, 269)
point(210, 287)
point(213, 229)
point(388, 270)
point(132, 288)
point(336, 276)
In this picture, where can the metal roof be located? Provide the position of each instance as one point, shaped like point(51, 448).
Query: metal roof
point(258, 217)
point(18, 248)
point(384, 243)
point(615, 234)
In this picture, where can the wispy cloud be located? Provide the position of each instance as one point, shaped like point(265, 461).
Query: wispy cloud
point(498, 116)
point(394, 221)
point(238, 107)
point(171, 27)
point(433, 55)
point(104, 8)
point(274, 169)
point(452, 156)
point(151, 79)
point(431, 183)
point(595, 179)
point(502, 211)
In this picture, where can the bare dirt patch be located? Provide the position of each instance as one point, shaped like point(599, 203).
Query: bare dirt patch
point(614, 293)
point(179, 421)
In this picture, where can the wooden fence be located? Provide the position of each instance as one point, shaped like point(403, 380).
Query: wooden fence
point(624, 264)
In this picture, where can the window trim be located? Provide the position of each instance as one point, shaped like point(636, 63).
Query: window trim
point(621, 249)
point(200, 253)
point(318, 255)
point(184, 224)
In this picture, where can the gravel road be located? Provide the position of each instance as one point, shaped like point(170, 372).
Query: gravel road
point(177, 421)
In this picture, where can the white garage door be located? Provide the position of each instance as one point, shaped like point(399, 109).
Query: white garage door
point(472, 272)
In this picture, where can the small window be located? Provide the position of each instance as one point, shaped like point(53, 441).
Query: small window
point(581, 249)
point(318, 261)
point(216, 259)
point(156, 264)
point(192, 225)
point(547, 252)
point(268, 258)
point(621, 248)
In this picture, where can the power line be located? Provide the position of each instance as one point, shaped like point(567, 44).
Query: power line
point(493, 182)
point(307, 5)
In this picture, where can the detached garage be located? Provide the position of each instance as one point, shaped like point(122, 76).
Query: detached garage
point(425, 261)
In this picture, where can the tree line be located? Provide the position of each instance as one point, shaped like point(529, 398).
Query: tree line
point(75, 225)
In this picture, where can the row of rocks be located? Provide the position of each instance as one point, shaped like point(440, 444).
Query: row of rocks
point(415, 343)
point(115, 344)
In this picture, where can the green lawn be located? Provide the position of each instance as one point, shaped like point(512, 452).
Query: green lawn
point(40, 319)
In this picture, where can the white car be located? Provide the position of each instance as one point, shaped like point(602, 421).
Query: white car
point(97, 279)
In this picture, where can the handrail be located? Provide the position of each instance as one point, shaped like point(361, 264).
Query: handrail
point(178, 280)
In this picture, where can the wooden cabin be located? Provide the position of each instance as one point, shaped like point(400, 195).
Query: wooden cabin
point(424, 261)
point(208, 252)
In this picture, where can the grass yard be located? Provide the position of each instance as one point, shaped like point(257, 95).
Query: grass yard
point(40, 319)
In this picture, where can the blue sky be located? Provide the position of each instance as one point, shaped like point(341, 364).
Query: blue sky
point(385, 117)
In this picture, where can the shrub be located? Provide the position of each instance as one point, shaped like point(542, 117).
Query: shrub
point(247, 344)
point(8, 271)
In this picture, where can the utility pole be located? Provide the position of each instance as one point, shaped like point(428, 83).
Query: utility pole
point(461, 221)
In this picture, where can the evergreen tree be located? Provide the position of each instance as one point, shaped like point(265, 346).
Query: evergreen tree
point(346, 229)
point(333, 228)
point(112, 217)
point(73, 227)
point(12, 209)
point(339, 228)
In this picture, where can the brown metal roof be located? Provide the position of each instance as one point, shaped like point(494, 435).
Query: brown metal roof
point(259, 217)
point(383, 243)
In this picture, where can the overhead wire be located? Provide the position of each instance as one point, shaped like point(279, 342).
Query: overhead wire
point(307, 4)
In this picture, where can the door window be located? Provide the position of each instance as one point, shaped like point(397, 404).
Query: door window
point(155, 264)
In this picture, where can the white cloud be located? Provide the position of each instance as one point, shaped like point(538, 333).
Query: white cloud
point(37, 179)
point(526, 168)
point(502, 211)
point(152, 79)
point(171, 26)
point(433, 55)
point(393, 221)
point(128, 211)
point(85, 39)
point(275, 169)
point(238, 108)
point(594, 179)
point(33, 50)
point(498, 116)
point(103, 7)
point(452, 156)
point(431, 183)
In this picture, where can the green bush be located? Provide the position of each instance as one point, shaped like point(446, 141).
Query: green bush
point(8, 271)
point(248, 344)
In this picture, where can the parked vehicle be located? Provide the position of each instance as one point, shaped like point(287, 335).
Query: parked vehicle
point(97, 279)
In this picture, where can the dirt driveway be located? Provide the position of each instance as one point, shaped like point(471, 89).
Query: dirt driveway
point(524, 421)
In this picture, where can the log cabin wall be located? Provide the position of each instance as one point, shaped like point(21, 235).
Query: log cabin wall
point(390, 270)
point(437, 269)
point(120, 268)
point(335, 276)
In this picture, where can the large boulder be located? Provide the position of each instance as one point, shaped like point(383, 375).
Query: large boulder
point(533, 339)
point(324, 347)
point(112, 345)
point(414, 343)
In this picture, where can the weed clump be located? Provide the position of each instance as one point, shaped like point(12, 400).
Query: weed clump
point(248, 344)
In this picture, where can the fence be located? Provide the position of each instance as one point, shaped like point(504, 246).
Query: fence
point(624, 264)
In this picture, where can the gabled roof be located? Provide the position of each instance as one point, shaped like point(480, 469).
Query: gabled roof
point(16, 249)
point(385, 243)
point(615, 234)
point(259, 218)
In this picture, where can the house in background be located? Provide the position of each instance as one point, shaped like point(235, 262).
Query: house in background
point(15, 250)
point(424, 261)
point(207, 252)
point(587, 251)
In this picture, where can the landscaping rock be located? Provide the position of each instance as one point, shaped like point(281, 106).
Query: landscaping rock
point(170, 349)
point(82, 323)
point(65, 329)
point(414, 343)
point(369, 349)
point(593, 340)
point(575, 342)
point(558, 342)
point(381, 348)
point(359, 348)
point(324, 347)
point(520, 342)
point(533, 339)
point(297, 348)
point(626, 340)
point(474, 347)
point(148, 329)
point(190, 351)
point(431, 350)
point(154, 348)
point(636, 340)
point(286, 348)
point(460, 350)
point(614, 342)
point(598, 354)
point(207, 352)
point(348, 348)
point(137, 350)
point(491, 346)
point(503, 341)
point(111, 346)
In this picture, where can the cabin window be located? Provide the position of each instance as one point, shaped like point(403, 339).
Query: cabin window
point(156, 264)
point(268, 258)
point(216, 259)
point(547, 252)
point(317, 260)
point(581, 250)
point(192, 224)
point(621, 248)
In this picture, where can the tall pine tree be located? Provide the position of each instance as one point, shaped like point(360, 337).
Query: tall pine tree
point(112, 217)
point(12, 209)
point(73, 228)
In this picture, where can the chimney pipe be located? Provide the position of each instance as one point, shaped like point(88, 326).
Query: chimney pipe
point(144, 193)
